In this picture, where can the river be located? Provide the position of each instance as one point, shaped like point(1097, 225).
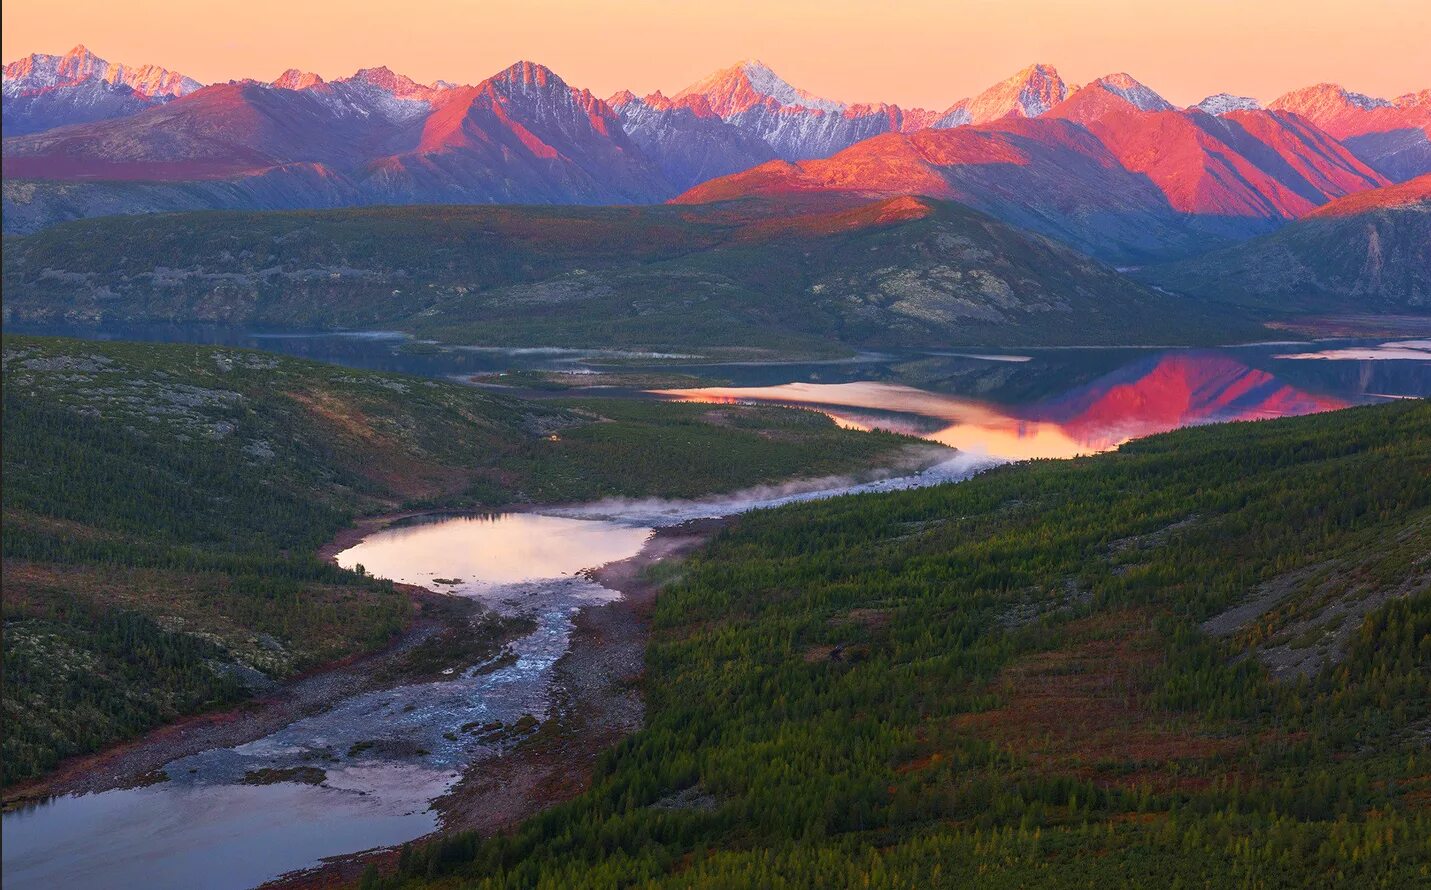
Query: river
point(386, 755)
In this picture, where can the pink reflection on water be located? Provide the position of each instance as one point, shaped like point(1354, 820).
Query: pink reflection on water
point(1146, 397)
point(481, 551)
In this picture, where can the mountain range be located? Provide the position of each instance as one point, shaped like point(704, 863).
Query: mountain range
point(1110, 168)
point(46, 91)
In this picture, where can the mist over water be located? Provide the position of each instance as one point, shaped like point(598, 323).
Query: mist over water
point(204, 828)
point(658, 512)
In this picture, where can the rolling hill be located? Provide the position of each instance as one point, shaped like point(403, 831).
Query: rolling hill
point(1370, 252)
point(823, 274)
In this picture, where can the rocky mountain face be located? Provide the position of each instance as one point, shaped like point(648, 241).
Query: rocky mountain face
point(1394, 136)
point(43, 91)
point(1370, 252)
point(686, 139)
point(1113, 170)
point(1029, 93)
point(522, 136)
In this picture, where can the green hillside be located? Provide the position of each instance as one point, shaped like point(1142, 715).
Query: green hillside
point(163, 505)
point(1369, 253)
point(1203, 660)
point(754, 277)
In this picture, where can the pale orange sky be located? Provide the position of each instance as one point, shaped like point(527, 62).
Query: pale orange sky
point(911, 52)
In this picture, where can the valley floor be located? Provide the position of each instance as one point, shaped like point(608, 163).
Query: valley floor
point(1023, 680)
point(163, 505)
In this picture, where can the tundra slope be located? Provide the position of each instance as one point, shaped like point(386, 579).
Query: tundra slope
point(163, 505)
point(1370, 252)
point(975, 685)
point(817, 275)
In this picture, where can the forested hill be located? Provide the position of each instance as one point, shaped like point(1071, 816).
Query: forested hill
point(1203, 660)
point(162, 507)
point(813, 275)
point(1367, 253)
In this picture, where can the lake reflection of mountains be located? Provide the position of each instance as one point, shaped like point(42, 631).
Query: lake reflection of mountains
point(1152, 395)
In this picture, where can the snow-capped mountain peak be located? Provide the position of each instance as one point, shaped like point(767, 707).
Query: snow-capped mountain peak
point(1133, 92)
point(768, 83)
point(741, 87)
point(529, 77)
point(42, 71)
point(622, 98)
point(384, 78)
point(1324, 100)
point(1222, 103)
point(1027, 93)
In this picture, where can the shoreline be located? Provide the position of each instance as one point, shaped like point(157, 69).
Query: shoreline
point(127, 764)
point(132, 762)
point(596, 702)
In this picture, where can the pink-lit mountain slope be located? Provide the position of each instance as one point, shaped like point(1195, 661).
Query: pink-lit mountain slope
point(521, 136)
point(1369, 252)
point(1113, 170)
point(43, 91)
point(1394, 136)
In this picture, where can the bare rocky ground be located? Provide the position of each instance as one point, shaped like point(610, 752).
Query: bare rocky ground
point(135, 762)
point(1315, 610)
point(596, 703)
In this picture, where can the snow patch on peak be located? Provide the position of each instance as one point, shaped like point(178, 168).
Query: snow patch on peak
point(41, 71)
point(767, 83)
point(1133, 92)
point(1222, 103)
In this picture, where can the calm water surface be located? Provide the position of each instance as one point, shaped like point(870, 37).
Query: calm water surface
point(203, 828)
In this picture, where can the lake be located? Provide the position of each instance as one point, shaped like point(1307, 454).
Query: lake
point(205, 827)
point(387, 754)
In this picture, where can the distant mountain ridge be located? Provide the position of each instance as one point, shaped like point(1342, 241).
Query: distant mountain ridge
point(1110, 168)
point(1392, 135)
point(43, 91)
point(1113, 169)
point(809, 274)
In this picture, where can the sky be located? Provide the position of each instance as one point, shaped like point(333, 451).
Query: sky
point(916, 53)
